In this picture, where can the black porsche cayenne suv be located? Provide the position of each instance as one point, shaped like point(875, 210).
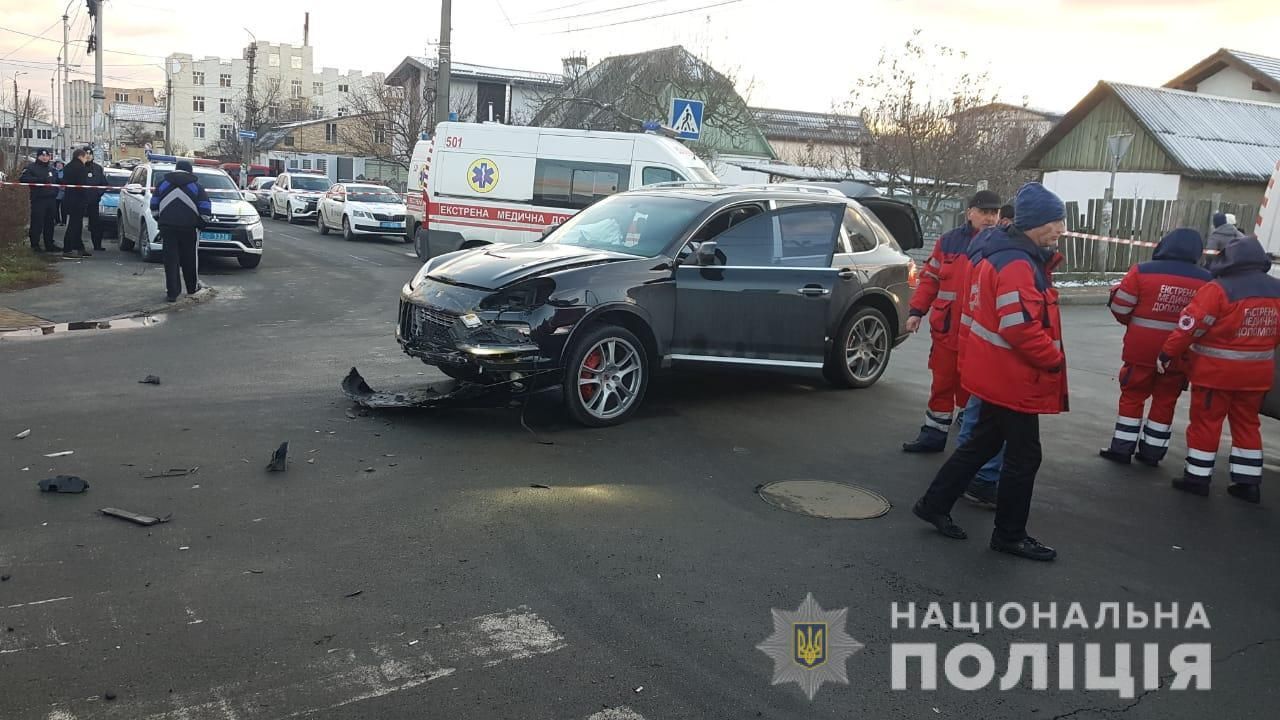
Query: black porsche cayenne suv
point(785, 277)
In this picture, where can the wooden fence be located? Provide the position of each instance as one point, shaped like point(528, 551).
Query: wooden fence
point(1145, 220)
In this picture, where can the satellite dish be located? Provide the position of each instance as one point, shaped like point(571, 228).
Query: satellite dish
point(175, 67)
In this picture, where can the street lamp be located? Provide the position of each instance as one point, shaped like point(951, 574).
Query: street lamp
point(17, 128)
point(1117, 148)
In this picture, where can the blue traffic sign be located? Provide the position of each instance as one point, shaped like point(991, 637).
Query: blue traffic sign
point(686, 118)
point(247, 135)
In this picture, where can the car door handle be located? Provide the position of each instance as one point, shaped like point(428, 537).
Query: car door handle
point(813, 291)
point(846, 274)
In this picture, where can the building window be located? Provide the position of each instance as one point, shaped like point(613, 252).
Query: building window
point(159, 134)
point(379, 135)
point(122, 97)
point(322, 165)
point(331, 132)
point(197, 77)
point(224, 80)
point(44, 134)
point(295, 89)
point(288, 141)
point(306, 164)
point(226, 132)
point(317, 88)
point(295, 62)
point(343, 87)
point(224, 106)
point(342, 111)
point(26, 133)
point(293, 163)
point(197, 103)
point(317, 112)
point(197, 131)
point(273, 59)
point(6, 132)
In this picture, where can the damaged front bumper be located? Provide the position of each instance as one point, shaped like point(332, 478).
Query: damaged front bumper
point(441, 325)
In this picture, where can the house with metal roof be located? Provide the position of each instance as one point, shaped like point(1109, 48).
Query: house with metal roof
point(1199, 153)
point(1233, 73)
point(479, 93)
point(822, 140)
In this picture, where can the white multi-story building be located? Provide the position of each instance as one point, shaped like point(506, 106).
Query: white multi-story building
point(208, 94)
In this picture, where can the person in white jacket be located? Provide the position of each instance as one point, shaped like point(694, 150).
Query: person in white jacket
point(1224, 231)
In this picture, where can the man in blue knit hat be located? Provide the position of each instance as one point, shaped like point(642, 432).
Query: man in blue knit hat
point(1014, 362)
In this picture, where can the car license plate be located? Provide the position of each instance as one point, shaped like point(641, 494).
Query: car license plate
point(391, 225)
point(215, 236)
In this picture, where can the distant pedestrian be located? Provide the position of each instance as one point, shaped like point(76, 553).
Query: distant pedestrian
point(1224, 231)
point(59, 169)
point(1015, 363)
point(1148, 302)
point(944, 272)
point(1231, 330)
point(1006, 216)
point(75, 175)
point(44, 201)
point(97, 177)
point(182, 205)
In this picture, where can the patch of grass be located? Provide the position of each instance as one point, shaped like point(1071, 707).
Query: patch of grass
point(20, 268)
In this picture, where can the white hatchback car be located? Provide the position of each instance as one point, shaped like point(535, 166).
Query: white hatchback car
point(233, 230)
point(361, 209)
point(296, 194)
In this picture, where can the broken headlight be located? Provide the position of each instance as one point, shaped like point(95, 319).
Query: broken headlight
point(521, 296)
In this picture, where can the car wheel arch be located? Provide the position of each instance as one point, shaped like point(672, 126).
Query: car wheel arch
point(624, 316)
point(876, 299)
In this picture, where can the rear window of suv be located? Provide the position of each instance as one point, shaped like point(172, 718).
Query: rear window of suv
point(309, 182)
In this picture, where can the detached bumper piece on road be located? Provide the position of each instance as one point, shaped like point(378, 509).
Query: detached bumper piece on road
point(444, 394)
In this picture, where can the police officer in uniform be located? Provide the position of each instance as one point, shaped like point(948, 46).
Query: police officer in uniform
point(44, 201)
point(97, 177)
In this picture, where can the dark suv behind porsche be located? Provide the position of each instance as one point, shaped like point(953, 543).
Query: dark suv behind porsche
point(786, 277)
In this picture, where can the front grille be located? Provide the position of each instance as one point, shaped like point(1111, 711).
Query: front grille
point(385, 217)
point(428, 325)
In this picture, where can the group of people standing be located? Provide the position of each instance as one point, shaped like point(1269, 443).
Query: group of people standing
point(73, 192)
point(997, 353)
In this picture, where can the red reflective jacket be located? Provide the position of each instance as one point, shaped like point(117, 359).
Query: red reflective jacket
point(941, 281)
point(1153, 294)
point(1230, 330)
point(1013, 354)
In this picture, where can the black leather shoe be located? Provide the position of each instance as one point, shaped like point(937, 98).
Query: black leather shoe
point(1201, 489)
point(1149, 462)
point(943, 523)
point(982, 494)
point(1028, 547)
point(1113, 456)
point(171, 298)
point(1247, 493)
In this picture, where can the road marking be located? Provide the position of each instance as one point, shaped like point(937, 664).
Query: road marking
point(60, 715)
point(618, 713)
point(42, 647)
point(37, 602)
point(355, 257)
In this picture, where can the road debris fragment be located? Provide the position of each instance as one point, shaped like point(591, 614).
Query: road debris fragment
point(22, 434)
point(174, 472)
point(353, 594)
point(63, 484)
point(62, 453)
point(279, 458)
point(150, 380)
point(539, 486)
point(134, 517)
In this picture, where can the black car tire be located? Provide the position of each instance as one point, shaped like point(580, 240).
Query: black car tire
point(249, 262)
point(346, 230)
point(126, 245)
point(320, 223)
point(420, 244)
point(144, 246)
point(860, 353)
point(588, 359)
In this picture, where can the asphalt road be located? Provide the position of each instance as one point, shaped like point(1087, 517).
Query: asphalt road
point(403, 567)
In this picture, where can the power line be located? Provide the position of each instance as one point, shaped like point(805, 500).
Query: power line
point(650, 17)
point(566, 7)
point(28, 42)
point(80, 42)
point(593, 12)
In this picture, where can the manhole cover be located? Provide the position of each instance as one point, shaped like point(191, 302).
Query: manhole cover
point(820, 498)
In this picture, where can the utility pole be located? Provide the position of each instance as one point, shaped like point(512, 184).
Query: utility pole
point(99, 120)
point(62, 107)
point(443, 63)
point(168, 111)
point(250, 116)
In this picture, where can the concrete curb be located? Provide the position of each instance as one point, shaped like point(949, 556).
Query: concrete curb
point(49, 328)
point(1083, 298)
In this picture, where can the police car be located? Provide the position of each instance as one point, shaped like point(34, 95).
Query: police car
point(361, 209)
point(109, 205)
point(233, 230)
point(296, 194)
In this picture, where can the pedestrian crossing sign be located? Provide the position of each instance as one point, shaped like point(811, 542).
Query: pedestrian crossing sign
point(686, 118)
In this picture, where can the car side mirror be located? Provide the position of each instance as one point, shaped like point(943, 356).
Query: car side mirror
point(133, 189)
point(248, 196)
point(706, 254)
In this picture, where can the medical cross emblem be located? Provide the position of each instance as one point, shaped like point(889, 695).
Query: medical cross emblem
point(482, 176)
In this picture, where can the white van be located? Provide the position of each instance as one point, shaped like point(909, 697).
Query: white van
point(481, 183)
point(1268, 226)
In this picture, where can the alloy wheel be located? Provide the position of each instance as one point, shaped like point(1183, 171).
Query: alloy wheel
point(610, 378)
point(867, 348)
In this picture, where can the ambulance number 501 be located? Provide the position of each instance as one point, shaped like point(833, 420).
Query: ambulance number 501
point(453, 142)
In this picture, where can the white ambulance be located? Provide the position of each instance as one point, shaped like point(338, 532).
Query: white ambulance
point(1267, 227)
point(480, 183)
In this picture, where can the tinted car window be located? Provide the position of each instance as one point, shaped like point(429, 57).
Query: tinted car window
point(797, 237)
point(652, 175)
point(861, 236)
point(560, 183)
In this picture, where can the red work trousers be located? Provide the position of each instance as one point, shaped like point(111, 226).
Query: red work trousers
point(1150, 439)
point(1209, 407)
point(946, 394)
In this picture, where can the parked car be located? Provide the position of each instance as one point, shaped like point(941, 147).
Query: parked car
point(233, 230)
point(109, 205)
point(779, 277)
point(261, 189)
point(488, 182)
point(361, 209)
point(296, 194)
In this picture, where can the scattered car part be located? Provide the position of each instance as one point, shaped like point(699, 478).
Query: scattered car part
point(60, 454)
point(22, 434)
point(279, 458)
point(134, 517)
point(446, 393)
point(63, 484)
point(150, 380)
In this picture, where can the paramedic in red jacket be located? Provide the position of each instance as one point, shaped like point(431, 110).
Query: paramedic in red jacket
point(1229, 334)
point(1014, 363)
point(940, 283)
point(1149, 301)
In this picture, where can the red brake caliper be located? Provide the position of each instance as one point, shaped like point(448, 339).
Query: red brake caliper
point(592, 364)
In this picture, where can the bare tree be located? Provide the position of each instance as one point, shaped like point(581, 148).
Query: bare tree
point(25, 112)
point(267, 111)
point(931, 143)
point(391, 118)
point(135, 134)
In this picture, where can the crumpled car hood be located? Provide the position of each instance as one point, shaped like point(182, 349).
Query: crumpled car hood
point(496, 266)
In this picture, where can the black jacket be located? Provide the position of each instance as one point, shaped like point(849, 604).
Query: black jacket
point(75, 199)
point(38, 172)
point(94, 175)
point(181, 201)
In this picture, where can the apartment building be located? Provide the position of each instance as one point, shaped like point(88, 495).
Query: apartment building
point(79, 106)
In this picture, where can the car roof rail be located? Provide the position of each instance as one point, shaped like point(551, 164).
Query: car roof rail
point(687, 185)
point(795, 187)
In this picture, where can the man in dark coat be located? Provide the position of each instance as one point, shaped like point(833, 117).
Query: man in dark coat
point(75, 175)
point(96, 177)
point(182, 206)
point(44, 201)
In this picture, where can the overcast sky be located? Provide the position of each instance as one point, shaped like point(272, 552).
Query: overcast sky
point(798, 54)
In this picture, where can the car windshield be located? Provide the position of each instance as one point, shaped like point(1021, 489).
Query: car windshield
point(117, 180)
point(371, 194)
point(317, 183)
point(634, 224)
point(264, 185)
point(218, 184)
point(702, 174)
